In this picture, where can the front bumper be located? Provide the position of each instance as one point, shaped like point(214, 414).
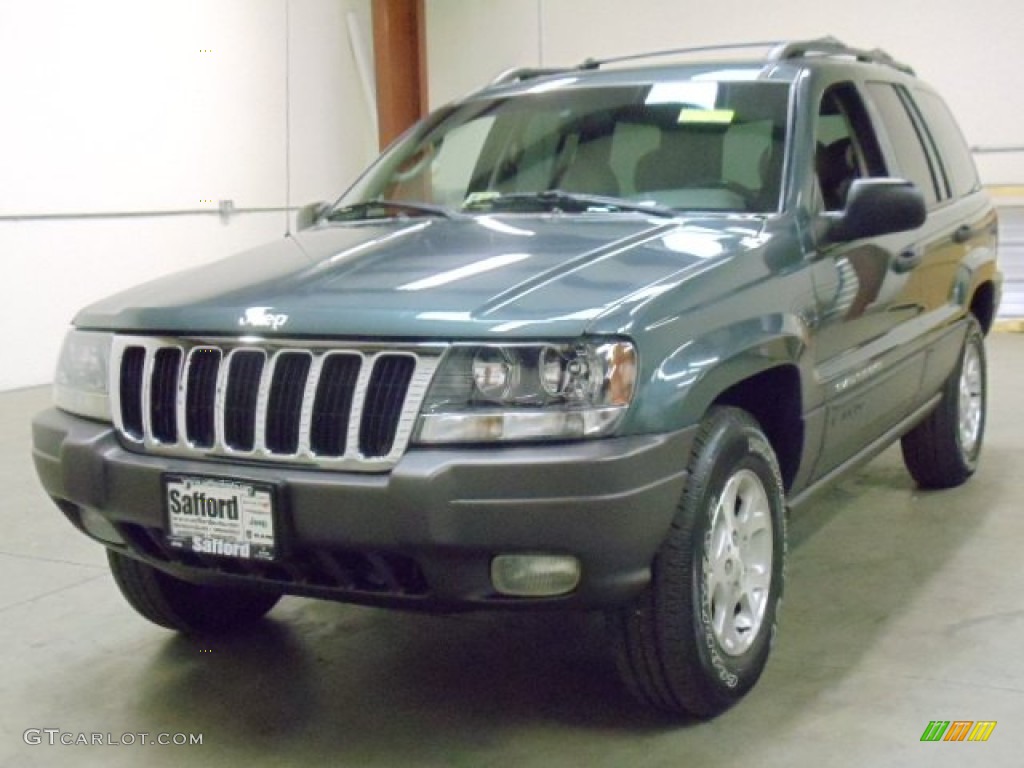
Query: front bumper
point(421, 536)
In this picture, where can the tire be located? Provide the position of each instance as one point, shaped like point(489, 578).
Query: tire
point(942, 451)
point(183, 606)
point(698, 637)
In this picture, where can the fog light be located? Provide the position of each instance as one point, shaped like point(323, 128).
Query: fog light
point(100, 527)
point(535, 575)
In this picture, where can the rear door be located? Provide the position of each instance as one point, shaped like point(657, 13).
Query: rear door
point(961, 220)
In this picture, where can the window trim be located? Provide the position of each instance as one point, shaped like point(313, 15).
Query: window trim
point(939, 187)
point(927, 140)
point(945, 159)
point(856, 111)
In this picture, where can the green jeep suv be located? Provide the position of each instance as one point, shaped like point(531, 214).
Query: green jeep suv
point(582, 339)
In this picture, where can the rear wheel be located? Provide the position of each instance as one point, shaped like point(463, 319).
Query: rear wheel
point(186, 607)
point(698, 637)
point(942, 451)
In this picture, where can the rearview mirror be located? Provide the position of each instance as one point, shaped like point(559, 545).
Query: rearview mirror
point(877, 207)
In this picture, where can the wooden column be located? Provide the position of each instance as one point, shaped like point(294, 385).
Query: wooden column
point(400, 55)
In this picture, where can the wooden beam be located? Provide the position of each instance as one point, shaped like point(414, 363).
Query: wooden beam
point(399, 54)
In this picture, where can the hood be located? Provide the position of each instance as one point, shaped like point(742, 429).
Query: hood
point(551, 275)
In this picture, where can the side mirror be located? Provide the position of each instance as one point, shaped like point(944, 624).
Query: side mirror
point(308, 215)
point(877, 207)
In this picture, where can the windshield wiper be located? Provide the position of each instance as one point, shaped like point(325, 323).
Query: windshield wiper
point(365, 209)
point(559, 198)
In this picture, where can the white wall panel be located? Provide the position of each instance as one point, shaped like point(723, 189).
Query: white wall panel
point(468, 43)
point(333, 134)
point(165, 105)
point(119, 106)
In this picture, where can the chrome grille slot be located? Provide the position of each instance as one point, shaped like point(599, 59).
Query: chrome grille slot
point(334, 394)
point(163, 399)
point(284, 408)
point(384, 398)
point(319, 404)
point(133, 365)
point(241, 396)
point(201, 396)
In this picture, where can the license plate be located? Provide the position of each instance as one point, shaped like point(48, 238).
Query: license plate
point(228, 518)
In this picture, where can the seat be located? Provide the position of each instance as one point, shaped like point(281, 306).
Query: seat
point(836, 167)
point(683, 158)
point(770, 173)
point(590, 171)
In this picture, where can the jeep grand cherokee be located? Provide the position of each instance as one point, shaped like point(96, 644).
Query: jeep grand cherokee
point(579, 340)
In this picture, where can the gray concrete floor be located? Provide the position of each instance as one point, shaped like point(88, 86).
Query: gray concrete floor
point(902, 607)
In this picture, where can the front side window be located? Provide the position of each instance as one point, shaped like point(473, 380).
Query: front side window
point(687, 145)
point(846, 148)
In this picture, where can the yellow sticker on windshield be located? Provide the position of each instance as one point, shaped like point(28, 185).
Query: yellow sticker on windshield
point(710, 116)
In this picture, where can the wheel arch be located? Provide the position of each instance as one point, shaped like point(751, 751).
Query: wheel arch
point(773, 398)
point(983, 305)
point(761, 376)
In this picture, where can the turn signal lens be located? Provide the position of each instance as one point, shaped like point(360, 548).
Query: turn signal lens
point(80, 384)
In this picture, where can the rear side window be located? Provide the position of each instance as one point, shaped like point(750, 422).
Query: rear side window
point(907, 141)
point(956, 157)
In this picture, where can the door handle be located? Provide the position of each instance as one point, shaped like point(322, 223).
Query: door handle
point(962, 234)
point(906, 260)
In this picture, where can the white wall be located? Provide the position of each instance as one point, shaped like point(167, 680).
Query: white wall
point(468, 43)
point(164, 105)
point(971, 52)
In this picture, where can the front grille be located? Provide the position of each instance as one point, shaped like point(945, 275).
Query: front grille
point(327, 406)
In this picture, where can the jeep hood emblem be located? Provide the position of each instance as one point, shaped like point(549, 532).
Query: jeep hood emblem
point(262, 317)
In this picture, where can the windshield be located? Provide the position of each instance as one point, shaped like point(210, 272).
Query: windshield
point(685, 145)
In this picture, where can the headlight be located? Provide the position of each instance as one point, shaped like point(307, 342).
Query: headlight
point(487, 393)
point(82, 378)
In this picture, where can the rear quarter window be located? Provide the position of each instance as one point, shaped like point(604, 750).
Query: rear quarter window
point(911, 155)
point(956, 156)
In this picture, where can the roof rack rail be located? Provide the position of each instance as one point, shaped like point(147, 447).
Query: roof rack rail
point(830, 46)
point(778, 50)
point(598, 63)
point(518, 74)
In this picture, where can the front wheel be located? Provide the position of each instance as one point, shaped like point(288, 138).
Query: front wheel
point(186, 607)
point(698, 637)
point(942, 451)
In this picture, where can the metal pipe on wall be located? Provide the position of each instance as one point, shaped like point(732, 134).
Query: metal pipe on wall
point(225, 211)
